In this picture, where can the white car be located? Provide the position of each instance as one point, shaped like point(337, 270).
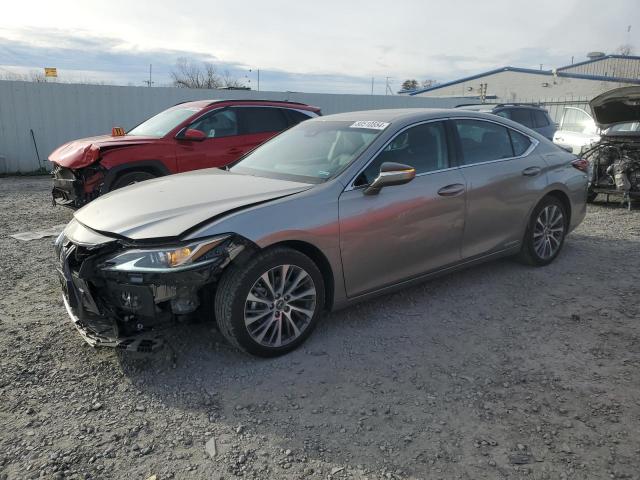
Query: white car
point(577, 132)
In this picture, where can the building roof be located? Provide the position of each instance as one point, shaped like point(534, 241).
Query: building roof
point(532, 71)
point(598, 59)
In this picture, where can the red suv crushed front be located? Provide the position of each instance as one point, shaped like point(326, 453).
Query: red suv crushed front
point(187, 136)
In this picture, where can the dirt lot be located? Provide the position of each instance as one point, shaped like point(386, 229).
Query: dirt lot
point(501, 371)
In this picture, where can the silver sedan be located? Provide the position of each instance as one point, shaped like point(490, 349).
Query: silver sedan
point(333, 211)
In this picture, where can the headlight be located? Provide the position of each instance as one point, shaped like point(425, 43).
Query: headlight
point(166, 259)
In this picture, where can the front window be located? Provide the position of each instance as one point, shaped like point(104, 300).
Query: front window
point(216, 124)
point(162, 123)
point(310, 152)
point(423, 147)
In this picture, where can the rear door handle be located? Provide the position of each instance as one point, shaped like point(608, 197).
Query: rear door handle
point(532, 171)
point(451, 190)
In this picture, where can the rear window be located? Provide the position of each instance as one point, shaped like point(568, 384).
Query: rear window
point(483, 141)
point(520, 115)
point(540, 119)
point(261, 119)
point(520, 142)
point(295, 117)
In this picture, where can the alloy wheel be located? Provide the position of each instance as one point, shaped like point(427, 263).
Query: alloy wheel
point(280, 305)
point(548, 232)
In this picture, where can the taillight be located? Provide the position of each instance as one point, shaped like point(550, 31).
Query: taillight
point(581, 164)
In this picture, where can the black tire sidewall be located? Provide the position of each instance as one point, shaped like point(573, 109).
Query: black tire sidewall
point(531, 251)
point(130, 177)
point(263, 263)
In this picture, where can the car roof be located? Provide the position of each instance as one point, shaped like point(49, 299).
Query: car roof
point(401, 115)
point(283, 103)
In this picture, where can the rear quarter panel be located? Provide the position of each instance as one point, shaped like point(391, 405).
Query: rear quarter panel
point(563, 176)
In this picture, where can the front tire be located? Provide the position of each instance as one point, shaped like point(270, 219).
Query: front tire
point(545, 233)
point(130, 178)
point(271, 304)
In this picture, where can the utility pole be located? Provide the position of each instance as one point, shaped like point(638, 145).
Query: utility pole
point(388, 87)
point(149, 82)
point(258, 72)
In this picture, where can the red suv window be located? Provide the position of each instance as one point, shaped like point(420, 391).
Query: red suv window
point(261, 119)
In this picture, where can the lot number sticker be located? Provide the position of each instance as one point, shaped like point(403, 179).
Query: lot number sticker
point(371, 124)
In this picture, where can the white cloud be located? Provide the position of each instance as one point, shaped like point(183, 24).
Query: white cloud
point(423, 39)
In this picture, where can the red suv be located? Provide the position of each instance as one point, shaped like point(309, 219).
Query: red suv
point(187, 136)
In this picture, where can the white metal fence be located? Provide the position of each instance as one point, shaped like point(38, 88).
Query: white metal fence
point(35, 118)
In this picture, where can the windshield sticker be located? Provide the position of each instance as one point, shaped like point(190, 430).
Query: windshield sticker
point(370, 124)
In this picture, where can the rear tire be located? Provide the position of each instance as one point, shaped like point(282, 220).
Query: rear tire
point(269, 305)
point(545, 233)
point(130, 178)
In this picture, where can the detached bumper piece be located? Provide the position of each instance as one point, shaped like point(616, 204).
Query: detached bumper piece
point(135, 344)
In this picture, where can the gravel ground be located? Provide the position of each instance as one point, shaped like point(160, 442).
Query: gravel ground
point(500, 371)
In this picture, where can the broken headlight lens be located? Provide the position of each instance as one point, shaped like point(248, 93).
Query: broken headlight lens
point(166, 259)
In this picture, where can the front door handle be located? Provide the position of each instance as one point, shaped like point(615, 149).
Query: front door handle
point(532, 171)
point(451, 190)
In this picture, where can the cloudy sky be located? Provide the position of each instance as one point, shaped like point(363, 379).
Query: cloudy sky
point(301, 45)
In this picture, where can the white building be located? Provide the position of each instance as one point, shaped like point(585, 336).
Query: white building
point(582, 80)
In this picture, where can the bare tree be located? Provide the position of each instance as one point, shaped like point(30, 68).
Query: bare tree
point(625, 50)
point(429, 83)
point(189, 74)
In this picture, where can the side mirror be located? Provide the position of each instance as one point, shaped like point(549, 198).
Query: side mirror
point(391, 173)
point(193, 135)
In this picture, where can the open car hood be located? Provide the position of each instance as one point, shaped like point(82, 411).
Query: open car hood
point(620, 105)
point(168, 206)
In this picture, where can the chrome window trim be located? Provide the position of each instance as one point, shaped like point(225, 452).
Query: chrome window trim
point(351, 186)
point(534, 142)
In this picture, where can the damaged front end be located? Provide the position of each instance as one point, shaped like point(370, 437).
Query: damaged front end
point(615, 168)
point(121, 294)
point(75, 188)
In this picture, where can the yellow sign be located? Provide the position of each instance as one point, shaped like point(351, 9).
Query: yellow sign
point(50, 72)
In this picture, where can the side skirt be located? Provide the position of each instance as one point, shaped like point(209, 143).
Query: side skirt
point(428, 276)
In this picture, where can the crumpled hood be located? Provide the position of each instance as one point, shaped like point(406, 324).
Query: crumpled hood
point(74, 154)
point(168, 206)
point(620, 105)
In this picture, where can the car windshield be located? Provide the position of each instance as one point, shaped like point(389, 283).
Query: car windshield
point(161, 124)
point(311, 152)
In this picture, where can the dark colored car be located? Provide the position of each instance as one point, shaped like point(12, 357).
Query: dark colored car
point(187, 136)
point(614, 161)
point(532, 116)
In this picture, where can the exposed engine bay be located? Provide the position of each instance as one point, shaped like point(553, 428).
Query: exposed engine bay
point(614, 167)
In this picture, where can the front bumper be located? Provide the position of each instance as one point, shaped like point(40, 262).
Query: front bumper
point(73, 188)
point(67, 188)
point(131, 310)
